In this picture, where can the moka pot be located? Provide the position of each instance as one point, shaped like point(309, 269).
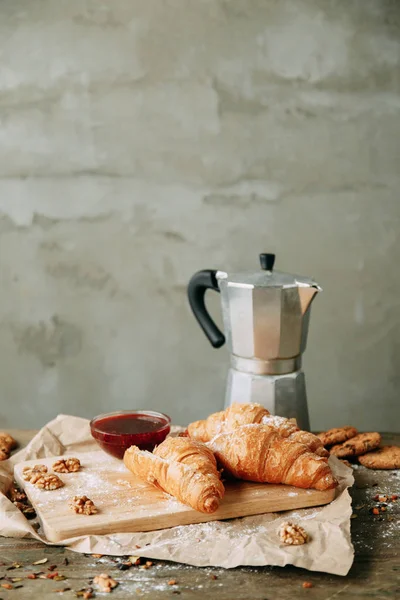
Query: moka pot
point(266, 316)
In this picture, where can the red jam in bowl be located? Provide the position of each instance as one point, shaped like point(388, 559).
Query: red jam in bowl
point(117, 431)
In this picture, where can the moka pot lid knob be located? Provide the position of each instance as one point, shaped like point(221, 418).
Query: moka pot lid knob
point(267, 261)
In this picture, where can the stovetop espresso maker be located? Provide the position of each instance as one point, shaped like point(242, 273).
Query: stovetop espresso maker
point(266, 316)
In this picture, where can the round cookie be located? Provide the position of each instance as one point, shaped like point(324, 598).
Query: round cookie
point(337, 435)
point(7, 440)
point(4, 455)
point(360, 444)
point(7, 443)
point(387, 457)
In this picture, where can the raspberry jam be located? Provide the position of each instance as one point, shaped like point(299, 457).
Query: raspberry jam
point(115, 432)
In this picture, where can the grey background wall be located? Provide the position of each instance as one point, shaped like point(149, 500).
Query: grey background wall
point(143, 140)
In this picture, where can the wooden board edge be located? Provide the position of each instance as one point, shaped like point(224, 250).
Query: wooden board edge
point(180, 519)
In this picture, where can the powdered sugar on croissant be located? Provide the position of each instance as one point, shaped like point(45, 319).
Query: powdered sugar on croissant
point(226, 420)
point(287, 429)
point(237, 415)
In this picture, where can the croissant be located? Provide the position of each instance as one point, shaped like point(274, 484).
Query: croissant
point(183, 468)
point(246, 414)
point(188, 452)
point(287, 429)
point(257, 452)
point(226, 420)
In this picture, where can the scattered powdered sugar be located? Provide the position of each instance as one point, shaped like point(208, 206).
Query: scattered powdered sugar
point(96, 479)
point(173, 504)
point(305, 513)
point(124, 483)
point(274, 421)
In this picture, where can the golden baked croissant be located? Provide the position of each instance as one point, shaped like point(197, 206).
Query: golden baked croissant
point(226, 420)
point(188, 452)
point(246, 414)
point(257, 452)
point(183, 468)
point(287, 429)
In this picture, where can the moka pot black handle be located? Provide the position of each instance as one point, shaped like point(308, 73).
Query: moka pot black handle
point(198, 285)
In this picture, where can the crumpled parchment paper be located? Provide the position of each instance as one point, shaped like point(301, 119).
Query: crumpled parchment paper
point(245, 541)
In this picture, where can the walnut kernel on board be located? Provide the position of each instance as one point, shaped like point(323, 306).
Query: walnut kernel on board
point(292, 534)
point(83, 505)
point(46, 482)
point(67, 465)
point(29, 472)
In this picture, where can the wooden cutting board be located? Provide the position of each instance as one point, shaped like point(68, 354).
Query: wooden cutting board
point(127, 504)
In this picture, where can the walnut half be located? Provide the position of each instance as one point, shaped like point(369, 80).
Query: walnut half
point(16, 495)
point(292, 534)
point(67, 465)
point(83, 505)
point(29, 472)
point(46, 482)
point(27, 510)
point(105, 582)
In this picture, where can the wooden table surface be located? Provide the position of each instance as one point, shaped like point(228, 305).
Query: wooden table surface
point(374, 574)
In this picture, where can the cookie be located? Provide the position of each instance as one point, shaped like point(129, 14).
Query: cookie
point(360, 444)
point(8, 440)
point(7, 443)
point(387, 457)
point(337, 435)
point(4, 455)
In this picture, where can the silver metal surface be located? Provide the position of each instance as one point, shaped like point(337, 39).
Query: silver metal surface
point(263, 278)
point(283, 395)
point(264, 321)
point(266, 367)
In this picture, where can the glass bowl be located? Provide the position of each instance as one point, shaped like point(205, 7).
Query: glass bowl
point(117, 431)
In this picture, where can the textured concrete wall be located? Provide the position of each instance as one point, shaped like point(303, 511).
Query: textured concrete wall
point(143, 140)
